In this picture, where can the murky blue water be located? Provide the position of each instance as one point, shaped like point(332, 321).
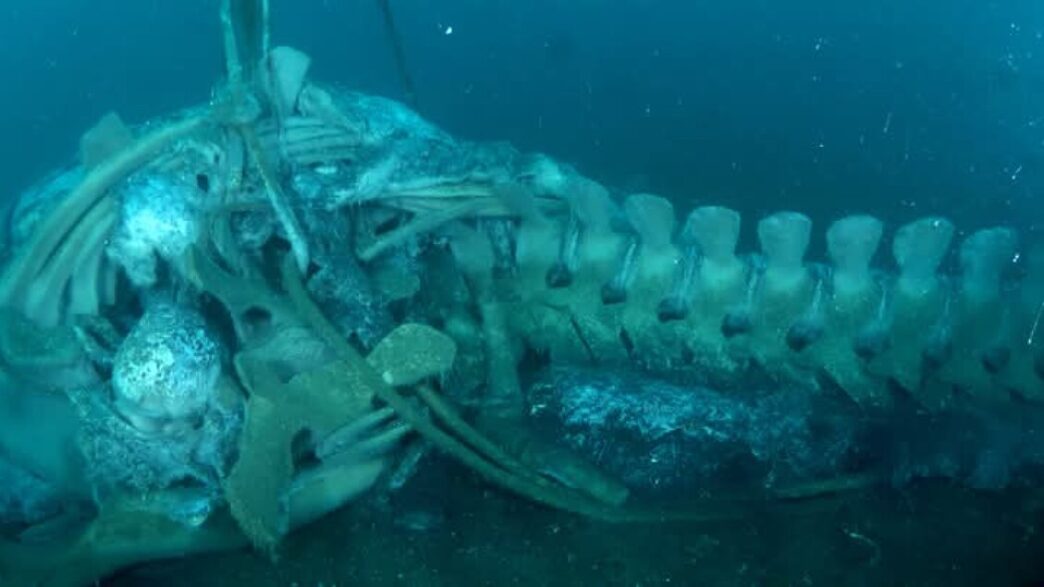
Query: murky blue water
point(898, 108)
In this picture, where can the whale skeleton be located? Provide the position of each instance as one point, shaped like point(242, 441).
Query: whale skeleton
point(566, 272)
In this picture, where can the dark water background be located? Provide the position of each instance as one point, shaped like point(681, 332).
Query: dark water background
point(894, 107)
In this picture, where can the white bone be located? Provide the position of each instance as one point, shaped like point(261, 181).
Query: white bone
point(784, 238)
point(919, 248)
point(983, 257)
point(851, 244)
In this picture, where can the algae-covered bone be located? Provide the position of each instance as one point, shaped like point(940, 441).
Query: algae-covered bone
point(167, 368)
point(167, 418)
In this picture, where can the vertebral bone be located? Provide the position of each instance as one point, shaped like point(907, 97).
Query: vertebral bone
point(716, 230)
point(851, 243)
point(919, 248)
point(738, 320)
point(652, 217)
point(875, 338)
point(810, 326)
point(983, 257)
point(592, 205)
point(784, 238)
point(677, 304)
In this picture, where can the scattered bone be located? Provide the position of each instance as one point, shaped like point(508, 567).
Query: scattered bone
point(919, 248)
